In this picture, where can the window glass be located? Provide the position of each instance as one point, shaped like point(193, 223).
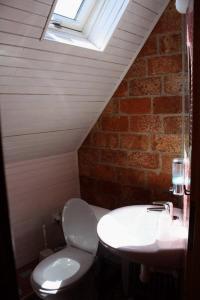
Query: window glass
point(68, 8)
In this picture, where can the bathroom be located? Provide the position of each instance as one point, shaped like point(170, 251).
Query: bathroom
point(103, 126)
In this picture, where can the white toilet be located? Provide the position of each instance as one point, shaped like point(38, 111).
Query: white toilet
point(59, 271)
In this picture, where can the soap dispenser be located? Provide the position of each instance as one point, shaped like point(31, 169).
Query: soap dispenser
point(178, 176)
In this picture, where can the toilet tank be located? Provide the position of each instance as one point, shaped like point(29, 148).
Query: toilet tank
point(99, 211)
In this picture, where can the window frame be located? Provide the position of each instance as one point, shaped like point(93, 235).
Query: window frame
point(80, 19)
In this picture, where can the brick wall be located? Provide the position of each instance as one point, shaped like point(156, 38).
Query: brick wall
point(127, 156)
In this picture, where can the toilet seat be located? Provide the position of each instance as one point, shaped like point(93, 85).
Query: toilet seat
point(79, 225)
point(61, 269)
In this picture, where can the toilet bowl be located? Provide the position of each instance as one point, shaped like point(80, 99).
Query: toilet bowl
point(59, 271)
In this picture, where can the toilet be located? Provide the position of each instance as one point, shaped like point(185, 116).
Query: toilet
point(59, 271)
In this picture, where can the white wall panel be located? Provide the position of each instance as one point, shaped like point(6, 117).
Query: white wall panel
point(36, 189)
point(28, 146)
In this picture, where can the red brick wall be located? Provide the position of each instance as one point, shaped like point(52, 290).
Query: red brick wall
point(127, 156)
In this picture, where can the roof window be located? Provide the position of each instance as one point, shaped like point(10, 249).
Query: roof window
point(84, 23)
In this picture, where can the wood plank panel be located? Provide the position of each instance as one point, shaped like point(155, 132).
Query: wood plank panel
point(55, 47)
point(37, 189)
point(20, 29)
point(152, 5)
point(141, 11)
point(38, 82)
point(7, 89)
point(104, 68)
point(51, 98)
point(43, 66)
point(54, 57)
point(20, 16)
point(26, 147)
point(31, 6)
point(48, 2)
point(128, 36)
point(127, 26)
point(32, 73)
point(118, 43)
point(61, 104)
point(27, 119)
point(134, 19)
point(78, 72)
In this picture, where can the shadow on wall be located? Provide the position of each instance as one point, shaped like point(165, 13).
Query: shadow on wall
point(127, 156)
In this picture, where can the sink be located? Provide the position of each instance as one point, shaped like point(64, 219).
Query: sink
point(146, 237)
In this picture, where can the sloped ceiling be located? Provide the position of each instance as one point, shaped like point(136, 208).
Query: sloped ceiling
point(50, 93)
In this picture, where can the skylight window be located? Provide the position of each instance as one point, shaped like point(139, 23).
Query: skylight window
point(68, 8)
point(72, 14)
point(84, 23)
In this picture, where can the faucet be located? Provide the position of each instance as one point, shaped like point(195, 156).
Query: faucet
point(162, 205)
point(169, 208)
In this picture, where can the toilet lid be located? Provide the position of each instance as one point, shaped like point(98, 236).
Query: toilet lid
point(80, 225)
point(61, 269)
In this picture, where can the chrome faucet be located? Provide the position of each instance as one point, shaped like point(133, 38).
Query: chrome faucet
point(162, 205)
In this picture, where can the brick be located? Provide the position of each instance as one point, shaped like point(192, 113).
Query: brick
point(186, 125)
point(112, 106)
point(134, 195)
point(107, 140)
point(134, 142)
point(145, 86)
point(144, 160)
point(159, 180)
point(108, 108)
point(99, 192)
point(138, 69)
point(170, 21)
point(172, 124)
point(106, 201)
point(104, 172)
point(108, 188)
point(85, 168)
point(173, 84)
point(170, 43)
point(167, 163)
point(115, 123)
point(130, 177)
point(163, 194)
point(150, 47)
point(116, 157)
point(87, 188)
point(122, 90)
point(164, 64)
point(145, 123)
point(135, 106)
point(87, 141)
point(88, 155)
point(97, 126)
point(187, 104)
point(167, 105)
point(170, 143)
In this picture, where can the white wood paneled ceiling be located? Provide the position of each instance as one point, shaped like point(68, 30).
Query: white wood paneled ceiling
point(51, 93)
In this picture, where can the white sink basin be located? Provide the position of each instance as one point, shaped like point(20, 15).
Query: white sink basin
point(145, 237)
